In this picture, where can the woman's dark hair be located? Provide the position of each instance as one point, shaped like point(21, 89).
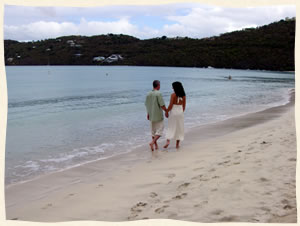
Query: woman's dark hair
point(178, 89)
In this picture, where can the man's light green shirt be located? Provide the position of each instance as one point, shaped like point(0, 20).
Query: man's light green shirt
point(154, 102)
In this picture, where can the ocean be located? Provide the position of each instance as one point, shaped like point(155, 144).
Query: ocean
point(64, 116)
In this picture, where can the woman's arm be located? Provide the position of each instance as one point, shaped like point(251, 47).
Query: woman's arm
point(171, 102)
point(183, 104)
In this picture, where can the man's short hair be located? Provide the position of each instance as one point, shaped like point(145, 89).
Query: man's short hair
point(155, 83)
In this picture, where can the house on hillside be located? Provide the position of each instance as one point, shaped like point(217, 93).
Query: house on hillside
point(10, 59)
point(113, 58)
point(71, 43)
point(99, 58)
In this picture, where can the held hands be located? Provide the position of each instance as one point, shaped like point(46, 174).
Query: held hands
point(167, 114)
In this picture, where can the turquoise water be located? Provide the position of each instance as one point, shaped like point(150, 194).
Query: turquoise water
point(63, 116)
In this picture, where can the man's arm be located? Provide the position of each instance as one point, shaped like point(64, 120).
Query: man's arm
point(166, 111)
point(147, 105)
point(164, 108)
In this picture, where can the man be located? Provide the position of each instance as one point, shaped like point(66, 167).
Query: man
point(155, 104)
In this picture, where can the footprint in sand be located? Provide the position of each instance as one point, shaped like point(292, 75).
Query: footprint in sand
point(204, 179)
point(70, 195)
point(265, 209)
point(217, 212)
point(212, 170)
point(171, 175)
point(215, 177)
point(255, 220)
point(182, 186)
point(137, 208)
point(197, 168)
point(161, 209)
point(201, 204)
point(181, 196)
point(197, 177)
point(228, 219)
point(14, 219)
point(262, 179)
point(153, 194)
point(287, 207)
point(132, 217)
point(141, 204)
point(292, 159)
point(215, 189)
point(47, 206)
point(221, 163)
point(236, 181)
point(284, 201)
point(99, 185)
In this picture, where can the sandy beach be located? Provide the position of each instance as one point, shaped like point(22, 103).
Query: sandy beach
point(238, 170)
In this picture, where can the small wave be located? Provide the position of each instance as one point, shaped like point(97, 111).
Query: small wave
point(32, 165)
point(113, 98)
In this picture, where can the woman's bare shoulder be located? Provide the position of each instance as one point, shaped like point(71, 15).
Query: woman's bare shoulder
point(173, 95)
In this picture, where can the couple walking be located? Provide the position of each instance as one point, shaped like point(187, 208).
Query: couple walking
point(155, 105)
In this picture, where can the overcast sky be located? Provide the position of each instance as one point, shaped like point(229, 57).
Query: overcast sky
point(194, 20)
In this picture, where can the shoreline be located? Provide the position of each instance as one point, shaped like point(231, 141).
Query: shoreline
point(189, 138)
point(93, 65)
point(49, 198)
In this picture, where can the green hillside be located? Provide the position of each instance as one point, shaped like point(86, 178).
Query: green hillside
point(269, 47)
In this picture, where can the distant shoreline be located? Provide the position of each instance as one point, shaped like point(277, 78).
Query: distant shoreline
point(87, 65)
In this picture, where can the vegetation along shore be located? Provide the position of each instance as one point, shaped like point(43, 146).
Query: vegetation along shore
point(269, 47)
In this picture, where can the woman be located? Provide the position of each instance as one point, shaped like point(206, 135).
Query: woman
point(176, 108)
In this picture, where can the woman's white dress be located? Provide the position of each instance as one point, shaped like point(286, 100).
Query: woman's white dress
point(175, 123)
